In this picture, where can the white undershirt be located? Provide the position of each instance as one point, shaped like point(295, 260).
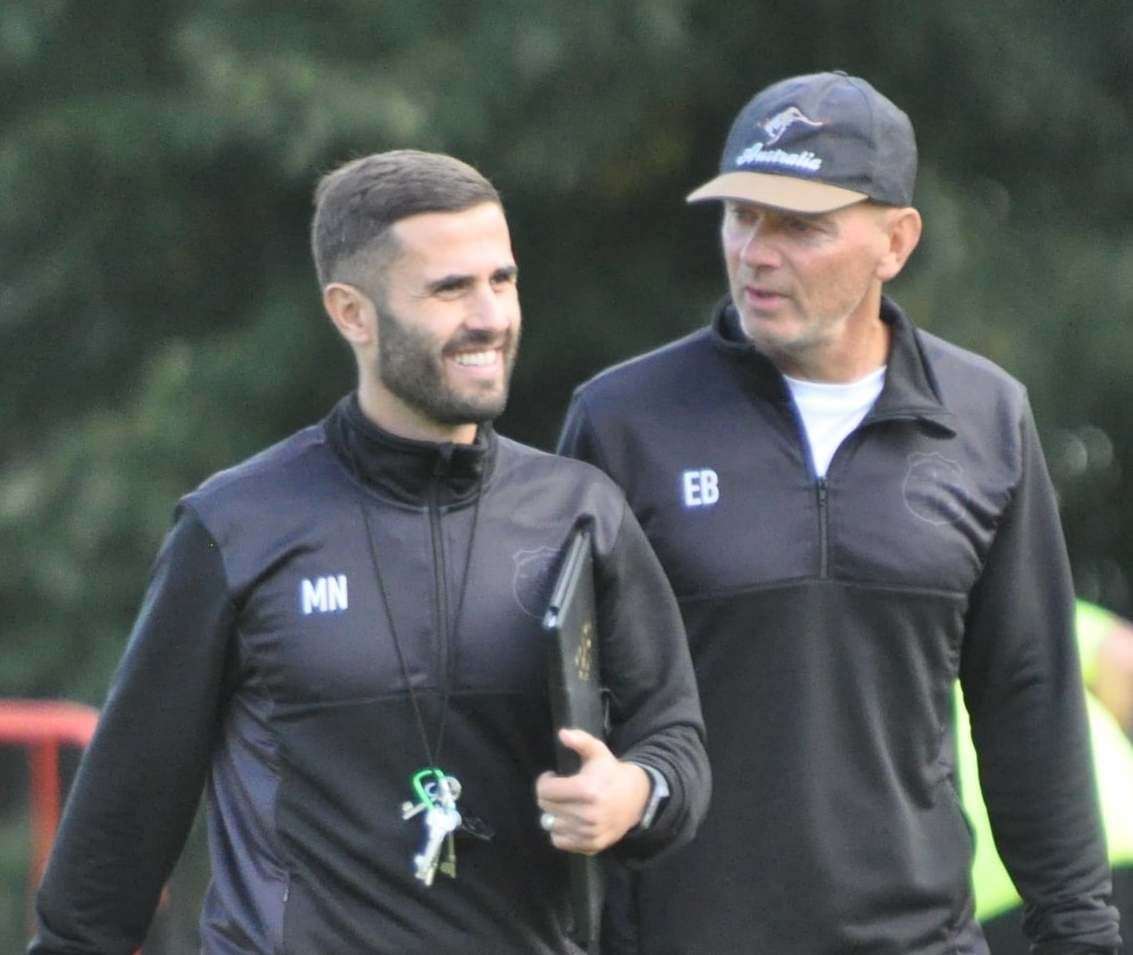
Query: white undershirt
point(830, 411)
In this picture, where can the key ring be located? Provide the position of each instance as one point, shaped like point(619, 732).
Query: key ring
point(420, 787)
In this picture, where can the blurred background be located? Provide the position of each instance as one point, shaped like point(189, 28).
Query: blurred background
point(159, 317)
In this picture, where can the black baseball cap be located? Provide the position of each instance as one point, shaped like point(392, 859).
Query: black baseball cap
point(817, 143)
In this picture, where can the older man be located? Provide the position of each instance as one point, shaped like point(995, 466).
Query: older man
point(852, 513)
point(342, 637)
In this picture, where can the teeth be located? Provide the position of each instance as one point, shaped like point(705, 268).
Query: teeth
point(475, 358)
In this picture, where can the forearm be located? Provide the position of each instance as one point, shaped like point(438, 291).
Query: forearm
point(1023, 688)
point(655, 707)
point(678, 754)
point(655, 704)
point(140, 780)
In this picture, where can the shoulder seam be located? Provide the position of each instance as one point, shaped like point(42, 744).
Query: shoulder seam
point(255, 464)
point(653, 353)
point(199, 519)
point(601, 458)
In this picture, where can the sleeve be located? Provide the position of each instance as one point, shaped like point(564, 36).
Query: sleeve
point(1023, 688)
point(139, 782)
point(655, 716)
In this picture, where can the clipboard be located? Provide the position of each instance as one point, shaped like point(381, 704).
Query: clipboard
point(575, 687)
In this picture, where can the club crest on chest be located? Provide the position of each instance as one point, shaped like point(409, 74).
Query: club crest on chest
point(533, 578)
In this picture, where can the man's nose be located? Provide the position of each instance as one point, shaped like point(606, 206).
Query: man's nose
point(491, 310)
point(759, 247)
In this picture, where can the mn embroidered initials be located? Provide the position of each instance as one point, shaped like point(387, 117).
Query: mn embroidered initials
point(323, 594)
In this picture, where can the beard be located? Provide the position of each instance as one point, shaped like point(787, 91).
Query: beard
point(411, 367)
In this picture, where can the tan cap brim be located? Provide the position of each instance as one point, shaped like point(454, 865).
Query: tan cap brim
point(779, 192)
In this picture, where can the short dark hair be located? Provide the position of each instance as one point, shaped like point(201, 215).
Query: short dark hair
point(357, 203)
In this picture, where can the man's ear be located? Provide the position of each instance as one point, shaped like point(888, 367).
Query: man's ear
point(903, 230)
point(352, 313)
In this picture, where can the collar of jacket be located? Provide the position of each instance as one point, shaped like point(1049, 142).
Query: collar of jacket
point(414, 472)
point(910, 390)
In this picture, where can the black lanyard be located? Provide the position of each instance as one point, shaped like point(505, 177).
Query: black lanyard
point(432, 751)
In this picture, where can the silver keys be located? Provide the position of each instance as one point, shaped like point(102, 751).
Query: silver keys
point(409, 809)
point(448, 864)
point(448, 792)
point(440, 821)
point(438, 802)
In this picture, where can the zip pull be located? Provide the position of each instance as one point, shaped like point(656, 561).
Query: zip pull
point(823, 527)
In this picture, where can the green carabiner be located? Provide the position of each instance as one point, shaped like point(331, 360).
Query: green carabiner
point(419, 779)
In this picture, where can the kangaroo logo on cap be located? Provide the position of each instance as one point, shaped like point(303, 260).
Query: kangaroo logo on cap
point(784, 120)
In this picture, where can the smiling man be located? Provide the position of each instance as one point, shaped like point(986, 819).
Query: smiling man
point(342, 638)
point(853, 513)
point(446, 323)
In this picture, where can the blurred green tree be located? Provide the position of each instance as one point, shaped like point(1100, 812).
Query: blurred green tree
point(159, 317)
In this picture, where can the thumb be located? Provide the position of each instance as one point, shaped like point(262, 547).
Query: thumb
point(588, 747)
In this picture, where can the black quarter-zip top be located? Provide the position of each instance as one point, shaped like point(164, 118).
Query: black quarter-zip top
point(311, 610)
point(829, 619)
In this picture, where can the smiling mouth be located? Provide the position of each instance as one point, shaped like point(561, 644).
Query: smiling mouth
point(477, 359)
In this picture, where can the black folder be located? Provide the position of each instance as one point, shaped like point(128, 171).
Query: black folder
point(575, 685)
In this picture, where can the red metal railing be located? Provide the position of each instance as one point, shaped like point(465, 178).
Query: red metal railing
point(42, 727)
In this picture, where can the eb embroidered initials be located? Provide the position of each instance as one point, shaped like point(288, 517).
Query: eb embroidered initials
point(323, 594)
point(701, 488)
